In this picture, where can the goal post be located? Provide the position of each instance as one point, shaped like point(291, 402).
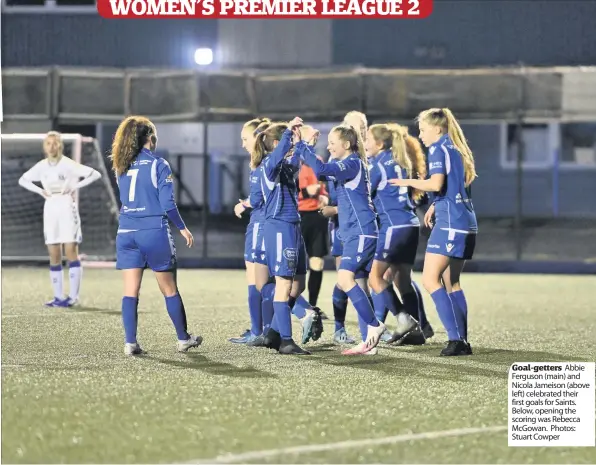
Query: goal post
point(22, 211)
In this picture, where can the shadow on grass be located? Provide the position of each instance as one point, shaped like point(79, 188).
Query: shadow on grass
point(202, 363)
point(448, 369)
point(104, 311)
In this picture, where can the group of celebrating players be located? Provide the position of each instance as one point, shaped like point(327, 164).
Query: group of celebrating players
point(375, 177)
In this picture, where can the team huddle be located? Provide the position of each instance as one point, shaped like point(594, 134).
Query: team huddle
point(375, 177)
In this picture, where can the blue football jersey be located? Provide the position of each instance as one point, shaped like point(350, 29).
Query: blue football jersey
point(146, 193)
point(393, 204)
point(256, 196)
point(357, 216)
point(280, 182)
point(453, 204)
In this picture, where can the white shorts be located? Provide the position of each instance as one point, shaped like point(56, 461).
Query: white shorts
point(61, 221)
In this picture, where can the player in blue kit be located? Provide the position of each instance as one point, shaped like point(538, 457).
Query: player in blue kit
point(309, 316)
point(285, 252)
point(358, 121)
point(260, 310)
point(453, 237)
point(399, 227)
point(144, 238)
point(357, 221)
point(339, 297)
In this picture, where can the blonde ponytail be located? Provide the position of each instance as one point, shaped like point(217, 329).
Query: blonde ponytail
point(361, 149)
point(444, 119)
point(417, 159)
point(461, 144)
point(398, 148)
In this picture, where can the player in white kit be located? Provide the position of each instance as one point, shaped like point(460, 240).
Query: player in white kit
point(60, 177)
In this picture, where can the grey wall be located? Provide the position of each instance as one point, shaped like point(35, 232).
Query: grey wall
point(89, 40)
point(462, 33)
point(274, 43)
point(459, 33)
point(495, 190)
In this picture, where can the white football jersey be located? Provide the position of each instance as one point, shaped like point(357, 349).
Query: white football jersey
point(54, 177)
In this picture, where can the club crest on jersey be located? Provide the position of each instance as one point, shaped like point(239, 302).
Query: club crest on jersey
point(432, 150)
point(449, 247)
point(61, 177)
point(290, 254)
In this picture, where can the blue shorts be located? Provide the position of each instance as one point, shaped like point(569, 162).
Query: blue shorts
point(337, 248)
point(452, 243)
point(254, 245)
point(153, 248)
point(285, 253)
point(359, 252)
point(398, 244)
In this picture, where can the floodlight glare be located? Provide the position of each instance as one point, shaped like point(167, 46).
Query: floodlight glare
point(203, 56)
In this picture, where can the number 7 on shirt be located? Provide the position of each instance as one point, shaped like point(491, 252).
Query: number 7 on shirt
point(133, 184)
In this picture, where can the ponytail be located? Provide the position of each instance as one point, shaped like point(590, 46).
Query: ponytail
point(416, 155)
point(393, 139)
point(444, 118)
point(360, 148)
point(461, 144)
point(253, 124)
point(266, 135)
point(398, 148)
point(354, 138)
point(258, 152)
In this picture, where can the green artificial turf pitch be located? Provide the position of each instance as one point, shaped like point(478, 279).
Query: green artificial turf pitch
point(69, 394)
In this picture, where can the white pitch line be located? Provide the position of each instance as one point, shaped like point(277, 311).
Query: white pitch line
point(351, 444)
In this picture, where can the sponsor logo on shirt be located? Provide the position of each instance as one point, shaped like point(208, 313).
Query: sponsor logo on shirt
point(435, 165)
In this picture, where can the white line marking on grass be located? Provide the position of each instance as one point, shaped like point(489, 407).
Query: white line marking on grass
point(351, 444)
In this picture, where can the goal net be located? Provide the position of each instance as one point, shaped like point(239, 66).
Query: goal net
point(22, 211)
